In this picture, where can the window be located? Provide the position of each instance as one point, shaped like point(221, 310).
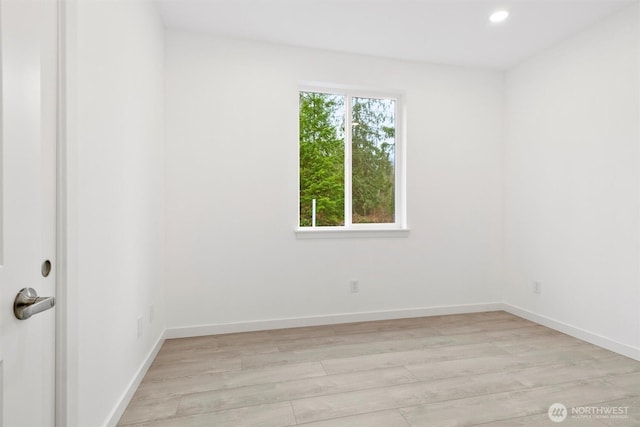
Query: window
point(350, 161)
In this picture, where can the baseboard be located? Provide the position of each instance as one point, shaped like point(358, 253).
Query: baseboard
point(123, 402)
point(590, 337)
point(331, 319)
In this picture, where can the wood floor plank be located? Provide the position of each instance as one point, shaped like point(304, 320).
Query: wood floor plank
point(376, 419)
point(485, 326)
point(629, 382)
point(288, 390)
point(579, 352)
point(402, 358)
point(609, 368)
point(538, 343)
point(471, 366)
point(304, 332)
point(272, 415)
point(192, 366)
point(529, 331)
point(433, 322)
point(308, 343)
point(218, 341)
point(185, 354)
point(345, 350)
point(149, 410)
point(200, 383)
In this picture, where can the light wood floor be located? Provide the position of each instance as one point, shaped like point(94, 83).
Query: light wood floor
point(490, 369)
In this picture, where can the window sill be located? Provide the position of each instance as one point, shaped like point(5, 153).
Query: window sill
point(351, 233)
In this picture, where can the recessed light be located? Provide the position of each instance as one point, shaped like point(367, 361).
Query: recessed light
point(498, 16)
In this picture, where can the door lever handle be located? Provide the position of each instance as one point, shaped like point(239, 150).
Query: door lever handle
point(28, 303)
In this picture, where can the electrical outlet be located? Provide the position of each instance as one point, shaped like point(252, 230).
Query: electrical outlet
point(355, 286)
point(152, 313)
point(139, 326)
point(537, 287)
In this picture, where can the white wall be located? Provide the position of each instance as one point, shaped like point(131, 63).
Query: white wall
point(115, 200)
point(231, 159)
point(572, 182)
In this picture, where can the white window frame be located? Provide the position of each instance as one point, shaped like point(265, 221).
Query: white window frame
point(399, 227)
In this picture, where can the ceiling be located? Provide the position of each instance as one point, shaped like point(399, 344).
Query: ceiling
point(449, 32)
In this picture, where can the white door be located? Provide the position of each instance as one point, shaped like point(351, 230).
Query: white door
point(27, 209)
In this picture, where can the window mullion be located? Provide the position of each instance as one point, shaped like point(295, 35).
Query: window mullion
point(347, 162)
point(398, 166)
